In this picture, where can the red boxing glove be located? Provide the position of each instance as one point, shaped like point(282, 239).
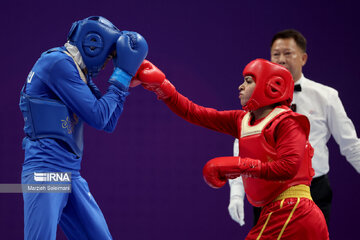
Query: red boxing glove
point(218, 170)
point(148, 75)
point(153, 79)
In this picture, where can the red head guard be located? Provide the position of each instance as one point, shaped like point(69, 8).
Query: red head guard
point(274, 84)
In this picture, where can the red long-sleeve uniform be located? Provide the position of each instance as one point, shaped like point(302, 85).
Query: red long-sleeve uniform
point(289, 141)
point(280, 142)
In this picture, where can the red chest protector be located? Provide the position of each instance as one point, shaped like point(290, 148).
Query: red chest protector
point(253, 144)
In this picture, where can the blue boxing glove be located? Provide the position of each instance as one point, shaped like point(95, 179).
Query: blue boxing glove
point(131, 50)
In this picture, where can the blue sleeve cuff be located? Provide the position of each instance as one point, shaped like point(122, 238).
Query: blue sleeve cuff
point(120, 79)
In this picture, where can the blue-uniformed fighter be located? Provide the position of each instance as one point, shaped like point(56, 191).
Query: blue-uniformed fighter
point(57, 98)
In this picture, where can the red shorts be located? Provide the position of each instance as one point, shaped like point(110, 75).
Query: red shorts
point(290, 218)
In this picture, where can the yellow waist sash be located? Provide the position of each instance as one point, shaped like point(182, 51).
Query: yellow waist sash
point(298, 191)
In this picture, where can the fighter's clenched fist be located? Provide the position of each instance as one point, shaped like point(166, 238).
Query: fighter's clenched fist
point(217, 171)
point(131, 50)
point(153, 79)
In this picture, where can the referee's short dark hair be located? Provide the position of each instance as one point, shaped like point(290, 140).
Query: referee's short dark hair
point(291, 33)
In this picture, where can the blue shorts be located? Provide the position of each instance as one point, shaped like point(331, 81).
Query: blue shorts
point(77, 213)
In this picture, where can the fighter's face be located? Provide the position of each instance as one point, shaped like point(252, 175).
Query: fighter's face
point(286, 52)
point(246, 89)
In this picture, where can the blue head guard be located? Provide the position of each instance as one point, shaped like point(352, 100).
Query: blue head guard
point(95, 37)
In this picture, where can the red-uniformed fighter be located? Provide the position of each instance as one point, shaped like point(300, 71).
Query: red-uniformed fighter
point(275, 155)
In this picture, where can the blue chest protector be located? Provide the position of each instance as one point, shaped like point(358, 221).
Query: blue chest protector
point(49, 118)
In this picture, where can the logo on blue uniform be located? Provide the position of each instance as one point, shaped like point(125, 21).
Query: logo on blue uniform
point(30, 76)
point(69, 123)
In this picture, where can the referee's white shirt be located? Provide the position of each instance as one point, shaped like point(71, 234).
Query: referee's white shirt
point(327, 116)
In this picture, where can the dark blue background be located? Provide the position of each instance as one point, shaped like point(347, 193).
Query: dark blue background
point(147, 175)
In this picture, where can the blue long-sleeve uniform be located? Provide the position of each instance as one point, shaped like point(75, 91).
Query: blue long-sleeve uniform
point(56, 99)
point(55, 76)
